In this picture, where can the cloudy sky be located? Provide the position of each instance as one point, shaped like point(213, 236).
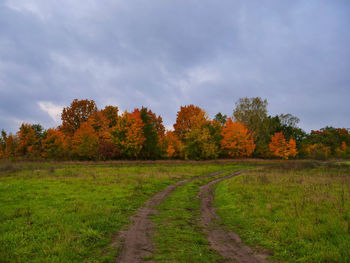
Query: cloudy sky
point(163, 54)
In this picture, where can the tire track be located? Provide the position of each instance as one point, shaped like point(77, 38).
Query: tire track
point(135, 243)
point(227, 243)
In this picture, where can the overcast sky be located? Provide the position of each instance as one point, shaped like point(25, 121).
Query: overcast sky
point(163, 54)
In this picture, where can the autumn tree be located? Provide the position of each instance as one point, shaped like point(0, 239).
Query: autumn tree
point(100, 123)
point(103, 122)
point(78, 112)
point(28, 140)
point(172, 145)
point(85, 142)
point(153, 132)
point(330, 137)
point(127, 135)
point(111, 115)
point(54, 145)
point(199, 142)
point(281, 148)
point(186, 118)
point(237, 140)
point(11, 144)
point(343, 151)
point(318, 151)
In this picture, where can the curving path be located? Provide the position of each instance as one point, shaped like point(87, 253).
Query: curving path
point(227, 243)
point(136, 242)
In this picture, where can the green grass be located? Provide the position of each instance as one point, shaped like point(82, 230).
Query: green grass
point(299, 214)
point(179, 236)
point(53, 212)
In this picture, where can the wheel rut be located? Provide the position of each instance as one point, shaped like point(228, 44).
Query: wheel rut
point(227, 243)
point(135, 243)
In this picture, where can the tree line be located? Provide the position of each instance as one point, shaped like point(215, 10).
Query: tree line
point(89, 133)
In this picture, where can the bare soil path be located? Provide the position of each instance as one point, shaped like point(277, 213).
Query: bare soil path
point(227, 243)
point(135, 243)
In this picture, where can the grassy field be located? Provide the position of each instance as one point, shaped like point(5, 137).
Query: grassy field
point(300, 211)
point(69, 212)
point(179, 236)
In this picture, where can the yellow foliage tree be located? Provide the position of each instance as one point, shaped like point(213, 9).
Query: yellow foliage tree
point(199, 141)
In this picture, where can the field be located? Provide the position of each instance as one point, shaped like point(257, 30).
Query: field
point(69, 212)
point(299, 212)
point(75, 212)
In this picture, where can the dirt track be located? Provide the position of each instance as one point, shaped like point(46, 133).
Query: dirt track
point(228, 244)
point(136, 242)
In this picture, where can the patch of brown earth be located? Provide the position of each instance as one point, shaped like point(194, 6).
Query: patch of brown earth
point(135, 242)
point(227, 243)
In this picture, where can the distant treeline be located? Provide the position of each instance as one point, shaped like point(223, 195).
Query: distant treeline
point(88, 133)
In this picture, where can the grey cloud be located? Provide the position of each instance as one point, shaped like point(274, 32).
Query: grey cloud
point(163, 54)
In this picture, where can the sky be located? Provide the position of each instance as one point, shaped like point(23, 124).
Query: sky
point(162, 54)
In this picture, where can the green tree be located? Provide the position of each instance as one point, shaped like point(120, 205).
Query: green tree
point(3, 139)
point(220, 118)
point(200, 144)
point(151, 148)
point(111, 114)
point(330, 137)
point(252, 112)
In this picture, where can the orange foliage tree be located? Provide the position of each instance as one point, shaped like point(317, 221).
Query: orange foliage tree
point(78, 112)
point(343, 151)
point(10, 144)
point(103, 121)
point(100, 123)
point(279, 147)
point(28, 141)
point(172, 145)
point(85, 142)
point(237, 141)
point(318, 151)
point(127, 135)
point(186, 118)
point(54, 145)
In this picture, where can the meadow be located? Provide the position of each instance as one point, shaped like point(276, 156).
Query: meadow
point(52, 212)
point(72, 212)
point(300, 212)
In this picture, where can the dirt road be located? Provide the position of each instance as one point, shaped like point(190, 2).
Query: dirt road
point(227, 243)
point(136, 242)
